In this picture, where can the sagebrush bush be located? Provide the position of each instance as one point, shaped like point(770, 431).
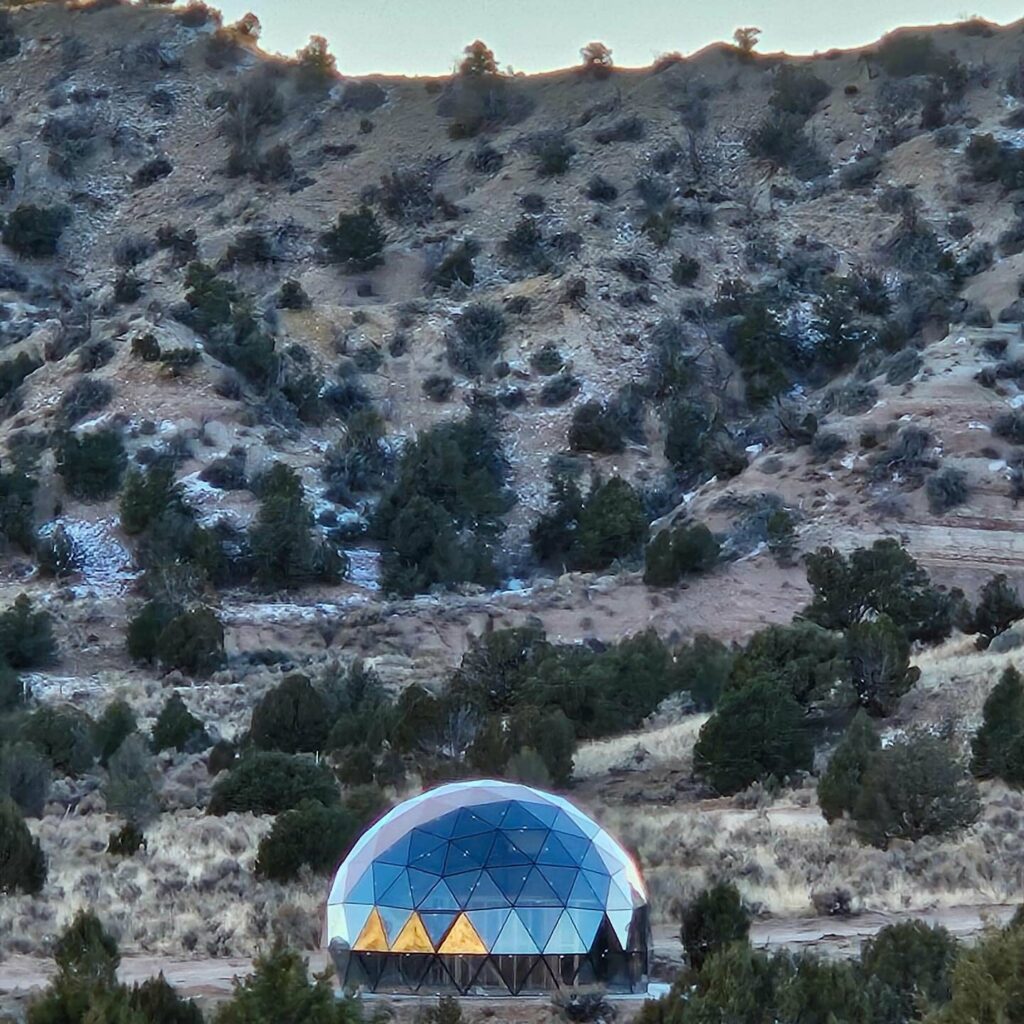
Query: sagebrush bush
point(553, 152)
point(356, 241)
point(35, 231)
point(947, 488)
point(476, 339)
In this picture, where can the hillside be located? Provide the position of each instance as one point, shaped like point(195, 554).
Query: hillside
point(299, 365)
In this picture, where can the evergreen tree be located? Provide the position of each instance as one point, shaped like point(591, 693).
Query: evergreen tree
point(839, 785)
point(176, 727)
point(717, 918)
point(291, 717)
point(112, 728)
point(757, 731)
point(878, 655)
point(22, 862)
point(311, 835)
point(26, 635)
point(611, 525)
point(130, 790)
point(1002, 722)
point(999, 606)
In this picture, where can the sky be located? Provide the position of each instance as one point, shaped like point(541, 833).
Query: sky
point(426, 37)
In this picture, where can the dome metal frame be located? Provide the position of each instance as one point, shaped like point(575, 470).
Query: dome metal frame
point(488, 886)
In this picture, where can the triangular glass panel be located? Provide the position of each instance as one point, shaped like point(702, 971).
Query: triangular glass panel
point(563, 823)
point(582, 895)
point(469, 824)
point(397, 853)
point(462, 938)
point(565, 940)
point(442, 826)
point(593, 861)
point(560, 879)
point(554, 852)
point(421, 883)
point(486, 894)
point(540, 922)
point(394, 920)
point(437, 924)
point(514, 938)
point(618, 896)
point(462, 884)
point(362, 891)
point(384, 876)
point(504, 853)
point(372, 937)
point(488, 923)
point(587, 923)
point(620, 920)
point(433, 860)
point(470, 852)
point(599, 883)
point(510, 880)
point(544, 813)
point(537, 892)
point(398, 894)
point(519, 817)
point(492, 813)
point(355, 918)
point(529, 840)
point(413, 937)
point(576, 845)
point(421, 842)
point(439, 898)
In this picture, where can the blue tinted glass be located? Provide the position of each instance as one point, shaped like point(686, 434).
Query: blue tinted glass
point(384, 876)
point(575, 844)
point(582, 895)
point(486, 894)
point(421, 883)
point(529, 840)
point(593, 860)
point(519, 817)
point(587, 923)
point(509, 880)
point(437, 924)
point(492, 813)
point(540, 922)
point(563, 823)
point(560, 879)
point(537, 891)
point(565, 939)
point(554, 852)
point(440, 898)
point(442, 826)
point(433, 860)
point(504, 853)
point(544, 813)
point(362, 891)
point(398, 894)
point(394, 919)
point(421, 842)
point(397, 853)
point(514, 938)
point(599, 883)
point(469, 824)
point(488, 923)
point(471, 852)
point(462, 884)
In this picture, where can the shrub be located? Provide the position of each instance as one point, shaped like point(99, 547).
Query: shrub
point(999, 606)
point(456, 267)
point(902, 55)
point(914, 961)
point(840, 783)
point(601, 190)
point(130, 790)
point(914, 788)
point(269, 782)
point(152, 171)
point(679, 551)
point(797, 90)
point(703, 670)
point(24, 777)
point(112, 728)
point(22, 862)
point(356, 240)
point(685, 271)
point(779, 140)
point(26, 635)
point(946, 488)
point(882, 580)
point(14, 371)
point(715, 919)
point(476, 340)
point(292, 296)
point(559, 389)
point(317, 67)
point(86, 395)
point(125, 842)
point(596, 427)
point(280, 983)
point(91, 465)
point(176, 728)
point(627, 129)
point(63, 736)
point(611, 524)
point(34, 231)
point(553, 152)
point(757, 732)
point(192, 642)
point(597, 59)
point(292, 717)
point(1001, 726)
point(878, 654)
point(547, 359)
point(312, 836)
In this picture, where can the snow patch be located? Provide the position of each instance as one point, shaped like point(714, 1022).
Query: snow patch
point(106, 566)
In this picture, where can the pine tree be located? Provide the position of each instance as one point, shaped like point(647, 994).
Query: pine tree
point(1002, 721)
point(715, 919)
point(839, 786)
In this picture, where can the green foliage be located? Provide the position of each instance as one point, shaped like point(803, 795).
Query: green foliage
point(878, 656)
point(685, 271)
point(703, 669)
point(550, 737)
point(22, 862)
point(913, 788)
point(590, 533)
point(284, 551)
point(802, 657)
point(269, 782)
point(999, 606)
point(145, 496)
point(317, 67)
point(757, 732)
point(476, 339)
point(356, 241)
point(291, 717)
point(13, 692)
point(126, 841)
point(130, 790)
point(990, 160)
point(144, 630)
point(1002, 723)
point(679, 551)
point(57, 554)
point(946, 488)
point(440, 517)
point(553, 152)
point(715, 919)
point(177, 728)
point(192, 642)
point(312, 836)
point(796, 89)
point(780, 141)
point(24, 777)
point(902, 55)
point(63, 735)
point(914, 961)
point(112, 728)
point(279, 992)
point(91, 465)
point(839, 785)
point(17, 504)
point(881, 580)
point(34, 231)
point(756, 340)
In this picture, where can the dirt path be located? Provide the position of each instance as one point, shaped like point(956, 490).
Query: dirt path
point(832, 936)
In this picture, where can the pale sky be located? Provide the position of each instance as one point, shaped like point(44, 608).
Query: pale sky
point(425, 37)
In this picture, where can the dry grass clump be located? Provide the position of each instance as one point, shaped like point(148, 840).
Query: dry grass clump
point(668, 744)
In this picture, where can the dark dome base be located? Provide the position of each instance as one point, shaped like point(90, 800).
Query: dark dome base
point(491, 974)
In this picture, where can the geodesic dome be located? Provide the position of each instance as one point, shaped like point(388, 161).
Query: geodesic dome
point(488, 885)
